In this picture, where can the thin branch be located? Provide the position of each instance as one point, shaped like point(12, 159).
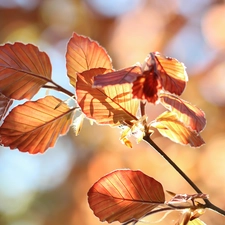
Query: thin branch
point(208, 204)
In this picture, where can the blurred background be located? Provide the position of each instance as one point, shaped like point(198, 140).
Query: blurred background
point(51, 189)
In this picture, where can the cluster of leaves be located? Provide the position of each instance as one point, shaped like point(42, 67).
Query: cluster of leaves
point(107, 96)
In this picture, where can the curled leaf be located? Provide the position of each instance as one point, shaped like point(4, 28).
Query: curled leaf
point(35, 126)
point(23, 70)
point(125, 195)
point(84, 54)
point(187, 113)
point(110, 105)
point(5, 103)
point(169, 126)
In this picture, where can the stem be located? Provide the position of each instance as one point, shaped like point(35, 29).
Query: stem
point(208, 204)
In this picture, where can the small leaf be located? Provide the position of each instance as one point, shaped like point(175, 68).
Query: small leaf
point(187, 113)
point(83, 54)
point(125, 195)
point(169, 126)
point(196, 222)
point(23, 70)
point(5, 103)
point(171, 72)
point(127, 75)
point(77, 124)
point(35, 126)
point(109, 105)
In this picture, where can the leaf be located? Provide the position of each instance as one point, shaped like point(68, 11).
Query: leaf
point(77, 124)
point(125, 195)
point(83, 54)
point(127, 75)
point(35, 126)
point(5, 103)
point(23, 70)
point(171, 72)
point(109, 105)
point(169, 126)
point(196, 222)
point(187, 113)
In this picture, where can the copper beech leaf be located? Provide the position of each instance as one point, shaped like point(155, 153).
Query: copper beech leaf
point(187, 113)
point(35, 126)
point(125, 195)
point(110, 105)
point(83, 54)
point(169, 126)
point(23, 70)
point(5, 103)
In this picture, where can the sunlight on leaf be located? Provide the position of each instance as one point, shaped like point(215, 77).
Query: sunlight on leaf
point(23, 70)
point(187, 113)
point(125, 195)
point(78, 123)
point(169, 126)
point(109, 105)
point(5, 103)
point(35, 126)
point(196, 222)
point(83, 54)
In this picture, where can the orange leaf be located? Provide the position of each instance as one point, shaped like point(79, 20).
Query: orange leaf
point(84, 54)
point(35, 126)
point(188, 114)
point(23, 70)
point(5, 103)
point(169, 126)
point(125, 195)
point(109, 105)
point(171, 72)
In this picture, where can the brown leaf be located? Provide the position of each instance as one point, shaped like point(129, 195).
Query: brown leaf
point(187, 113)
point(5, 103)
point(170, 71)
point(23, 70)
point(83, 54)
point(169, 126)
point(35, 126)
point(109, 105)
point(127, 75)
point(125, 195)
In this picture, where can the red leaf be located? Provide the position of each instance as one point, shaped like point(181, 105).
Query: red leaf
point(125, 195)
point(170, 71)
point(187, 113)
point(35, 126)
point(23, 70)
point(5, 103)
point(83, 54)
point(109, 105)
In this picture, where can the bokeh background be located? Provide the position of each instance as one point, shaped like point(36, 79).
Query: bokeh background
point(51, 189)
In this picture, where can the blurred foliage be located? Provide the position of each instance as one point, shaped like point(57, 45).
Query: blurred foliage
point(51, 189)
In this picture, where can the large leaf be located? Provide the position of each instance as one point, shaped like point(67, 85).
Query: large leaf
point(171, 72)
point(83, 54)
point(187, 113)
point(125, 195)
point(169, 126)
point(23, 70)
point(35, 126)
point(109, 105)
point(5, 103)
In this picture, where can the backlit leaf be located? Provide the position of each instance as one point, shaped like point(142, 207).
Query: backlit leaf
point(83, 54)
point(125, 195)
point(169, 126)
point(109, 105)
point(35, 126)
point(23, 70)
point(5, 103)
point(187, 113)
point(78, 123)
point(196, 222)
point(171, 72)
point(127, 75)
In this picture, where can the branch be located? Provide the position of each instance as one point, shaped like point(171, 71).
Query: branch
point(208, 204)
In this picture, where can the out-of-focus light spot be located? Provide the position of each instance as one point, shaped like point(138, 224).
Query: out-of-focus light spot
point(212, 85)
point(26, 4)
point(213, 24)
point(113, 8)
